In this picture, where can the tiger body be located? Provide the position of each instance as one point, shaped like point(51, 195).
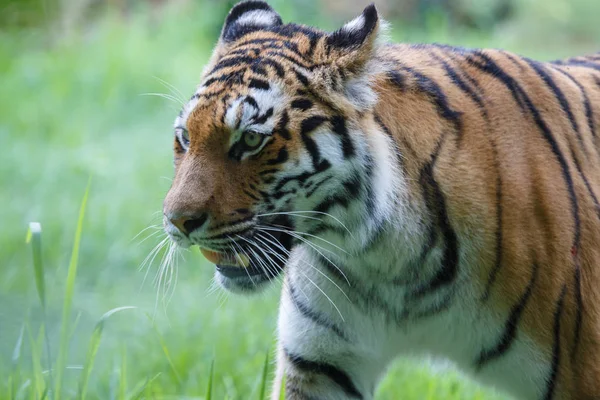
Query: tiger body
point(416, 200)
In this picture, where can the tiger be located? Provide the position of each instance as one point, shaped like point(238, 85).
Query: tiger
point(416, 200)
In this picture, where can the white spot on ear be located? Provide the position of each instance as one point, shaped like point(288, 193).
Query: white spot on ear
point(355, 25)
point(258, 18)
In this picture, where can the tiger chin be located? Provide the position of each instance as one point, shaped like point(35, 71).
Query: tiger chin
point(414, 199)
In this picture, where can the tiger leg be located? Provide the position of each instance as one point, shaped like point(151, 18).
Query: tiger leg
point(317, 360)
point(305, 379)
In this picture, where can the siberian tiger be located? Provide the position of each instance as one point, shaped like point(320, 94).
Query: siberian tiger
point(416, 199)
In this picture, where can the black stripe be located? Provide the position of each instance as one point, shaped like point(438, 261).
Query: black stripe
point(436, 203)
point(583, 64)
point(338, 126)
point(268, 171)
point(263, 118)
point(316, 186)
point(231, 62)
point(586, 101)
point(259, 84)
point(259, 70)
point(560, 97)
point(397, 79)
point(432, 310)
point(352, 186)
point(578, 311)
point(281, 127)
point(437, 95)
point(331, 201)
point(551, 381)
point(301, 104)
point(222, 78)
point(276, 66)
point(301, 77)
point(462, 85)
point(587, 185)
point(332, 372)
point(510, 328)
point(252, 196)
point(298, 61)
point(300, 178)
point(313, 39)
point(499, 235)
point(282, 156)
point(308, 125)
point(317, 318)
point(251, 101)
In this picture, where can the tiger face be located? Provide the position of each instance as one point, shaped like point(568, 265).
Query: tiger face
point(270, 141)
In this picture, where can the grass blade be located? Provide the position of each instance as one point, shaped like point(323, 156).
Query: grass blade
point(16, 356)
point(165, 350)
point(282, 388)
point(210, 380)
point(35, 345)
point(15, 375)
point(34, 236)
point(140, 388)
point(263, 383)
point(123, 375)
point(61, 361)
point(93, 350)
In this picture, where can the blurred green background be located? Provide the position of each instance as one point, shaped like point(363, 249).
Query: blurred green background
point(81, 94)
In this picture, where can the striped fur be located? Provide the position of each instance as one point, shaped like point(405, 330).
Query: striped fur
point(420, 199)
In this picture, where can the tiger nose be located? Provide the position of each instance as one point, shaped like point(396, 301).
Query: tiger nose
point(187, 225)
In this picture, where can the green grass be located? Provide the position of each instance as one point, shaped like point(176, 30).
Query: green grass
point(75, 109)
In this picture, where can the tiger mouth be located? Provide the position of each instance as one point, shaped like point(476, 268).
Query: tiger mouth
point(232, 265)
point(251, 262)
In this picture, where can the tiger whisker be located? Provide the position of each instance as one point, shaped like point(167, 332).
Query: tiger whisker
point(172, 88)
point(315, 285)
point(240, 259)
point(165, 96)
point(310, 235)
point(265, 230)
point(252, 243)
point(259, 236)
point(294, 213)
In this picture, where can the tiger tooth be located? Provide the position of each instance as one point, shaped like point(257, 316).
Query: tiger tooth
point(243, 260)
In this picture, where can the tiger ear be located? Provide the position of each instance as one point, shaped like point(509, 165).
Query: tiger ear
point(353, 44)
point(348, 52)
point(248, 16)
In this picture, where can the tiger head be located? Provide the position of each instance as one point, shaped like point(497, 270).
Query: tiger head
point(272, 140)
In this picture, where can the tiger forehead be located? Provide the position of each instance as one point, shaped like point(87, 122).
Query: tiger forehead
point(268, 55)
point(239, 109)
point(297, 38)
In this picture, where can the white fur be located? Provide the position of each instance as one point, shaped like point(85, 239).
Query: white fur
point(356, 24)
point(257, 17)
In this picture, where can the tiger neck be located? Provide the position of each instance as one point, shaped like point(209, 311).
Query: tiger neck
point(373, 209)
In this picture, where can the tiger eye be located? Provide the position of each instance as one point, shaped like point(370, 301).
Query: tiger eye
point(252, 139)
point(185, 136)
